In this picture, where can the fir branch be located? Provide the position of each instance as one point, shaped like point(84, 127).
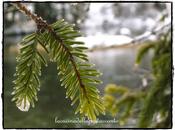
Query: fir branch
point(42, 24)
point(79, 78)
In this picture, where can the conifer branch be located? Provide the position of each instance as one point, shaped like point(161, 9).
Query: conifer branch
point(41, 24)
point(79, 78)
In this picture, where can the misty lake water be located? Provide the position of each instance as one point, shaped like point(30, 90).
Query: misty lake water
point(117, 66)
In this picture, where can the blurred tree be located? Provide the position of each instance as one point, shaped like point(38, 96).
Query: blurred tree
point(9, 15)
point(63, 11)
point(79, 13)
point(46, 11)
point(122, 102)
point(156, 109)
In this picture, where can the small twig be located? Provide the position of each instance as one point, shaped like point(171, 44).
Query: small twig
point(145, 36)
point(139, 39)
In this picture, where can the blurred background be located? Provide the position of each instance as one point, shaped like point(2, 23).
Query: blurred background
point(102, 25)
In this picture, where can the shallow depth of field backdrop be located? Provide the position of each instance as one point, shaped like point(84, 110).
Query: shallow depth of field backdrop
point(102, 25)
